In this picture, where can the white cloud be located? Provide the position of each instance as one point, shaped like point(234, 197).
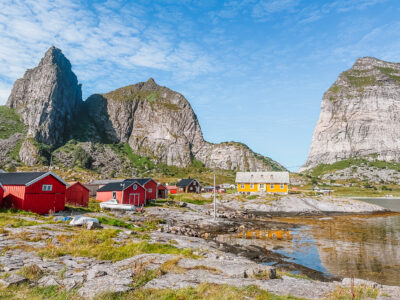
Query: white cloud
point(98, 40)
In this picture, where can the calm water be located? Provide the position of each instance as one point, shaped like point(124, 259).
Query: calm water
point(366, 247)
point(390, 203)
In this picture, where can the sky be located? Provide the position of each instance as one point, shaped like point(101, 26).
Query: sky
point(254, 71)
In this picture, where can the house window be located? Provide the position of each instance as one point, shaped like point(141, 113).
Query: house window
point(261, 185)
point(271, 185)
point(252, 185)
point(114, 195)
point(47, 187)
point(134, 187)
point(191, 188)
point(150, 190)
point(242, 186)
point(282, 186)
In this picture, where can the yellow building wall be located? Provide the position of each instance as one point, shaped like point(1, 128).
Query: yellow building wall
point(247, 187)
point(275, 189)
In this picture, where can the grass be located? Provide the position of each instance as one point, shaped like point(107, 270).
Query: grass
point(354, 293)
point(192, 198)
point(389, 72)
point(359, 81)
point(22, 292)
point(116, 223)
point(10, 122)
point(100, 245)
point(203, 291)
point(280, 273)
point(15, 222)
point(32, 272)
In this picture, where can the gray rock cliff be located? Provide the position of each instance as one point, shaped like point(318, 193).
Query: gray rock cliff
point(360, 115)
point(47, 97)
point(160, 123)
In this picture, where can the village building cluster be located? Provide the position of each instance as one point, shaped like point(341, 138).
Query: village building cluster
point(45, 192)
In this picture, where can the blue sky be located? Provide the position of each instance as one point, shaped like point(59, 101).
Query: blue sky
point(253, 70)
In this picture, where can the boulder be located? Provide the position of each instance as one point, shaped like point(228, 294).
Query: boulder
point(13, 279)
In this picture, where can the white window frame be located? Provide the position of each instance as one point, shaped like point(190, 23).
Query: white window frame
point(47, 187)
point(261, 185)
point(252, 185)
point(282, 186)
point(271, 185)
point(150, 190)
point(242, 185)
point(114, 195)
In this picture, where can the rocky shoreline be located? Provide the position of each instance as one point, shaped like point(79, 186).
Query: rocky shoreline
point(184, 226)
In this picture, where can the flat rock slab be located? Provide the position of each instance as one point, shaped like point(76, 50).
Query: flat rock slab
point(13, 279)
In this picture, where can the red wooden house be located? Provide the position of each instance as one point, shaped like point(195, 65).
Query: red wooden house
point(126, 192)
point(77, 194)
point(149, 184)
point(39, 192)
point(162, 191)
point(2, 191)
point(172, 189)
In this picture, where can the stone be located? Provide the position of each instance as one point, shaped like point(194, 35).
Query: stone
point(48, 281)
point(92, 225)
point(359, 115)
point(13, 279)
point(95, 272)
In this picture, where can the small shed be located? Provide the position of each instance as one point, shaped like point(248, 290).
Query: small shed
point(125, 192)
point(149, 184)
point(162, 191)
point(77, 194)
point(172, 189)
point(39, 192)
point(189, 185)
point(2, 191)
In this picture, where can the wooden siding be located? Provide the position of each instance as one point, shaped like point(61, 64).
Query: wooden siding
point(77, 194)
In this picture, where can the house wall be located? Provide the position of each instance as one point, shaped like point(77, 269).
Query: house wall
point(1, 194)
point(267, 188)
point(77, 194)
point(105, 196)
point(135, 200)
point(151, 185)
point(42, 202)
point(14, 196)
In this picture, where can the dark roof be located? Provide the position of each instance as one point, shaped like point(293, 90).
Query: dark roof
point(117, 186)
point(141, 181)
point(19, 178)
point(185, 182)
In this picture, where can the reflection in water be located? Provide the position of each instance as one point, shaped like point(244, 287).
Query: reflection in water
point(366, 247)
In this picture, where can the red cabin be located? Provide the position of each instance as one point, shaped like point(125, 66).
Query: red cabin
point(126, 192)
point(162, 191)
point(77, 194)
point(149, 184)
point(2, 191)
point(172, 189)
point(39, 192)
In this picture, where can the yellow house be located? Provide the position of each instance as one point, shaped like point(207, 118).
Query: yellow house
point(262, 182)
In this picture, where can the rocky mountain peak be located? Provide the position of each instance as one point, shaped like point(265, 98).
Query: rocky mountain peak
point(48, 97)
point(360, 115)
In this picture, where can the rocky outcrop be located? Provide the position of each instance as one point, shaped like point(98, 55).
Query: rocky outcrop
point(360, 115)
point(160, 123)
point(47, 98)
point(28, 153)
point(155, 121)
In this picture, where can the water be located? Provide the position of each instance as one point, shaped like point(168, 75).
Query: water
point(366, 247)
point(390, 203)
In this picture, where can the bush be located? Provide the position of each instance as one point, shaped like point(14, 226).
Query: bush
point(82, 158)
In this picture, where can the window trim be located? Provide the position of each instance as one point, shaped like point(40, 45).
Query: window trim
point(282, 186)
point(252, 185)
point(242, 185)
point(271, 186)
point(150, 190)
point(47, 187)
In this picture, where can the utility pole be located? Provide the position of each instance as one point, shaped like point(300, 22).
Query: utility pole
point(215, 201)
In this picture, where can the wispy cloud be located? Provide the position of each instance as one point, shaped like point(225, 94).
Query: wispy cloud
point(110, 33)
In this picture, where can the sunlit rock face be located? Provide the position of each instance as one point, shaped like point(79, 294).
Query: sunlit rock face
point(360, 115)
point(47, 98)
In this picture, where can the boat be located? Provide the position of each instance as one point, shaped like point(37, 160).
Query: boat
point(114, 204)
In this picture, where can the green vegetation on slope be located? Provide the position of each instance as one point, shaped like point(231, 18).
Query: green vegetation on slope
point(353, 162)
point(10, 122)
point(389, 72)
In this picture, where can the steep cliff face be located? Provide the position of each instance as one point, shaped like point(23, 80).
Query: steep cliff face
point(360, 115)
point(47, 97)
point(154, 121)
point(160, 123)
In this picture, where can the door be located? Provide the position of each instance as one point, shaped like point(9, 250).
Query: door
point(134, 199)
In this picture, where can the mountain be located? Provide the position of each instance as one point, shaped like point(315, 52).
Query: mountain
point(111, 132)
point(360, 116)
